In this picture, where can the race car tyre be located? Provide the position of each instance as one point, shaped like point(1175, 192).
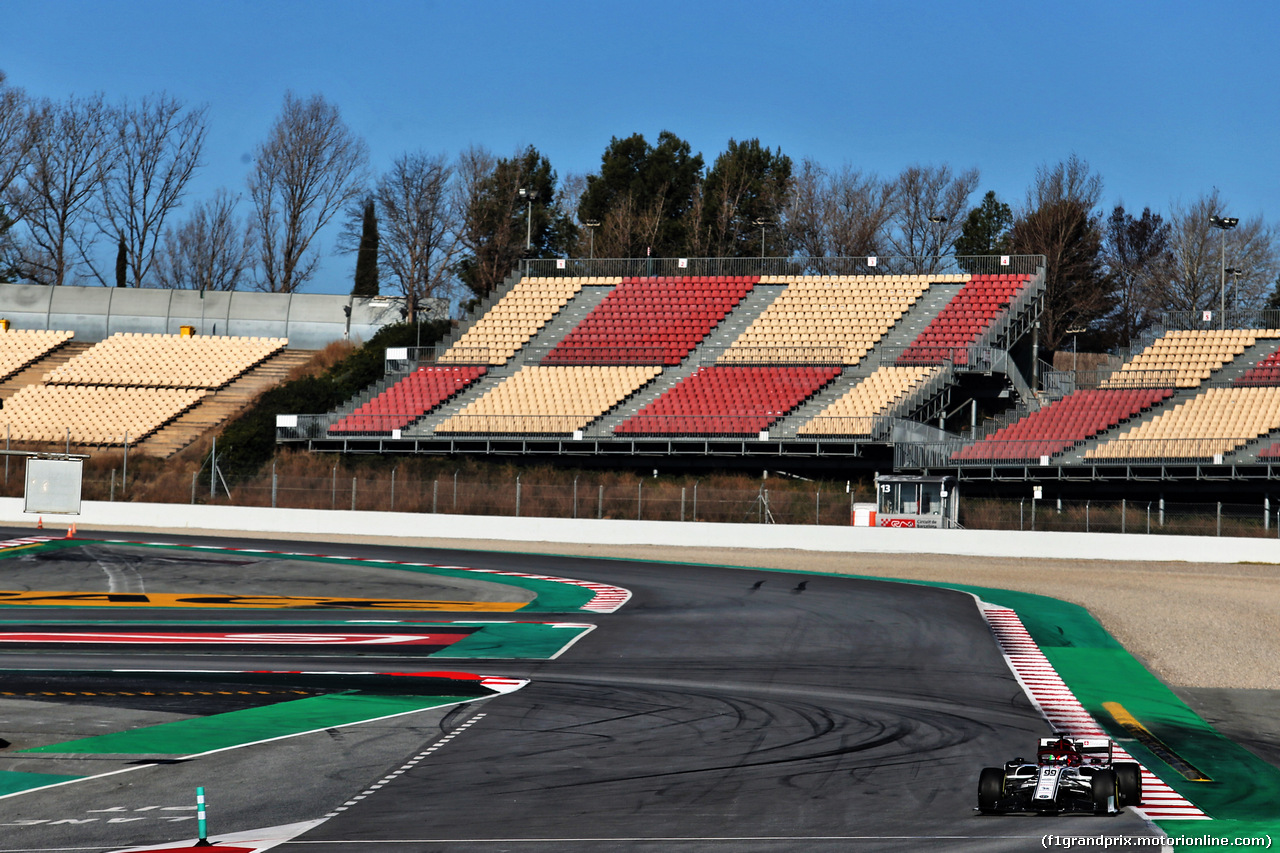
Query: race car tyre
point(1106, 799)
point(990, 790)
point(1129, 780)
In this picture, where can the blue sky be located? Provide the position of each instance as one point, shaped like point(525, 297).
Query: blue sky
point(1165, 100)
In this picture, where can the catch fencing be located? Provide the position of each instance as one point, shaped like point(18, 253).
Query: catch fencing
point(775, 501)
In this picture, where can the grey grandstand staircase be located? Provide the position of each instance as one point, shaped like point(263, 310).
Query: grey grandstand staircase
point(927, 306)
point(219, 406)
point(34, 373)
point(1229, 372)
point(1248, 453)
point(1075, 456)
point(704, 354)
point(899, 337)
point(562, 323)
point(482, 308)
point(552, 333)
point(1246, 361)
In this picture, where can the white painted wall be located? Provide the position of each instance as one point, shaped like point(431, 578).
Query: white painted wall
point(102, 515)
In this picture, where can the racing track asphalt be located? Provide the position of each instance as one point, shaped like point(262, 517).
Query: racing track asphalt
point(720, 710)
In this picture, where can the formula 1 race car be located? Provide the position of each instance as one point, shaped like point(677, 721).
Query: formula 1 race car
point(1067, 775)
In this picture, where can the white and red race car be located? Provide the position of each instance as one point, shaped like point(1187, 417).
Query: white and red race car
point(1067, 775)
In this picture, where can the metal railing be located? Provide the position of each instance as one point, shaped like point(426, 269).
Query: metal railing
point(966, 359)
point(1264, 318)
point(879, 428)
point(408, 359)
point(1144, 378)
point(1121, 516)
point(590, 496)
point(1042, 451)
point(601, 354)
point(776, 356)
point(793, 266)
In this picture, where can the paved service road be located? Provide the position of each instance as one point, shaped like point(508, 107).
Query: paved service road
point(719, 710)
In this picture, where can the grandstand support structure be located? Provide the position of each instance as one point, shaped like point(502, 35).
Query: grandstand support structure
point(1030, 265)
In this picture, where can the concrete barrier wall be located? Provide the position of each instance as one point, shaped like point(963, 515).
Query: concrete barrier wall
point(393, 525)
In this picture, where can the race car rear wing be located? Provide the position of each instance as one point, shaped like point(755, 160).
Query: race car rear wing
point(1092, 750)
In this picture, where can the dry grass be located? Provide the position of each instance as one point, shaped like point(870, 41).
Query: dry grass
point(324, 359)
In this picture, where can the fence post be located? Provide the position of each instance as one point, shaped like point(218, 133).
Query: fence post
point(194, 474)
point(273, 485)
point(1086, 516)
point(639, 498)
point(600, 503)
point(6, 453)
point(1162, 512)
point(1266, 512)
point(353, 494)
point(1148, 517)
point(1033, 513)
point(682, 488)
point(124, 473)
point(333, 496)
point(517, 495)
point(575, 497)
point(817, 507)
point(393, 488)
point(1021, 503)
point(1123, 507)
point(435, 493)
point(1219, 518)
point(113, 484)
point(455, 490)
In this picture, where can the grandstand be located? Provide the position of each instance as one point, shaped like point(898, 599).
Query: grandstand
point(730, 353)
point(129, 388)
point(862, 363)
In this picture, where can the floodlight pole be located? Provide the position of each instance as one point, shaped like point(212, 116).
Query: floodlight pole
point(937, 221)
point(592, 225)
point(1224, 224)
point(528, 195)
point(764, 229)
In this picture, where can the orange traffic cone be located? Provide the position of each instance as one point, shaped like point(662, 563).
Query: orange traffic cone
point(71, 532)
point(40, 522)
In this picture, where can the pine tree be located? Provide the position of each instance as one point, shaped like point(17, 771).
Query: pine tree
point(122, 264)
point(366, 280)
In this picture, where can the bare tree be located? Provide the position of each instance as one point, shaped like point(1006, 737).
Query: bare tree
point(1068, 180)
point(928, 216)
point(1198, 249)
point(17, 120)
point(417, 225)
point(1059, 220)
point(210, 251)
point(310, 167)
point(158, 142)
point(628, 224)
point(840, 214)
point(72, 149)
